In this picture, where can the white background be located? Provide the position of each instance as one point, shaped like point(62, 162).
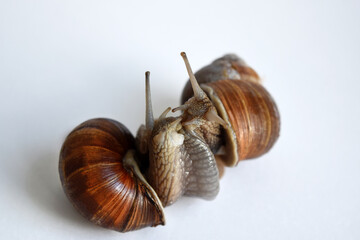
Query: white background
point(63, 62)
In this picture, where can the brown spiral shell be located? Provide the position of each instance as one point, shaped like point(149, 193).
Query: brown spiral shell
point(98, 184)
point(252, 115)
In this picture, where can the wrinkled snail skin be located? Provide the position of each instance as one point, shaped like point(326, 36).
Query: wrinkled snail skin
point(181, 164)
point(250, 119)
point(101, 179)
point(167, 168)
point(202, 174)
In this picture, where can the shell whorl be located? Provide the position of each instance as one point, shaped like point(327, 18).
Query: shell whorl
point(252, 113)
point(99, 185)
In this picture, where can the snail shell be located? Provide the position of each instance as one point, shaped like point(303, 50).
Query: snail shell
point(253, 117)
point(101, 178)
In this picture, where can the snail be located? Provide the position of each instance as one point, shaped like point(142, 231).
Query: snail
point(123, 183)
point(248, 112)
point(100, 173)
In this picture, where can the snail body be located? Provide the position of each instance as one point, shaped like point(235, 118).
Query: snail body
point(181, 164)
point(175, 158)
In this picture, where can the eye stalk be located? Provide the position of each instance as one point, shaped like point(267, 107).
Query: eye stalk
point(198, 92)
point(149, 110)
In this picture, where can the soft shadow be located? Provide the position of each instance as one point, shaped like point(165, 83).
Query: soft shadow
point(44, 189)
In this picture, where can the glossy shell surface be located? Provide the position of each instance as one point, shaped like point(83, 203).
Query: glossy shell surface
point(252, 115)
point(97, 183)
